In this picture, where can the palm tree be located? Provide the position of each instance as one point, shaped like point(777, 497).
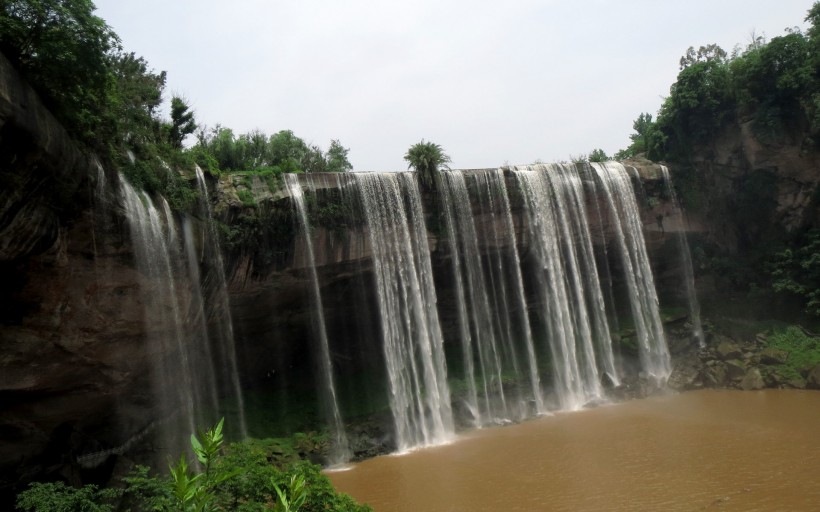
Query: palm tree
point(427, 159)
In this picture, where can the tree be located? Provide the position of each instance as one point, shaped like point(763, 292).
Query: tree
point(182, 122)
point(62, 49)
point(598, 155)
point(427, 159)
point(708, 53)
point(134, 100)
point(337, 157)
point(287, 151)
point(313, 160)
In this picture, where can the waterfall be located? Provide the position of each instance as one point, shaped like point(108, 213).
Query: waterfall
point(572, 307)
point(158, 261)
point(490, 302)
point(220, 314)
point(412, 340)
point(328, 393)
point(686, 262)
point(189, 335)
point(617, 189)
point(527, 331)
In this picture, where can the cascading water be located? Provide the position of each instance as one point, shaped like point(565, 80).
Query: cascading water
point(220, 334)
point(486, 301)
point(512, 333)
point(494, 200)
point(568, 286)
point(328, 392)
point(686, 262)
point(187, 319)
point(616, 187)
point(412, 340)
point(158, 262)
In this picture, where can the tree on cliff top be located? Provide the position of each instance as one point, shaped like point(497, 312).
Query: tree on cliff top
point(63, 50)
point(427, 159)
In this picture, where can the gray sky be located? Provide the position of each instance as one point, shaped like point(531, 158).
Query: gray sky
point(491, 81)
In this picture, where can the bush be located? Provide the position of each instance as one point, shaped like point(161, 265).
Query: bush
point(803, 350)
point(58, 497)
point(243, 477)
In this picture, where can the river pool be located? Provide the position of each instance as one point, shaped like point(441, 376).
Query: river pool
point(704, 450)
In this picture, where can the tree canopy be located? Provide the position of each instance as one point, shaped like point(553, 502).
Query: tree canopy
point(219, 150)
point(110, 102)
point(776, 84)
point(427, 158)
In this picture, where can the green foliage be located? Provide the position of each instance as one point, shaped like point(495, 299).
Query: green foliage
point(292, 497)
point(796, 270)
point(598, 155)
point(646, 139)
point(708, 53)
point(182, 122)
point(63, 51)
point(146, 492)
point(427, 159)
point(247, 198)
point(803, 351)
point(775, 83)
point(58, 497)
point(337, 158)
point(246, 476)
point(219, 149)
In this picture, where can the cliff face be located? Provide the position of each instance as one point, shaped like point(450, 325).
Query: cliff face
point(75, 346)
point(71, 325)
point(749, 191)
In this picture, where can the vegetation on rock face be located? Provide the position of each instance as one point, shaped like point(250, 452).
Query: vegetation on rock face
point(796, 270)
point(800, 352)
point(773, 88)
point(427, 159)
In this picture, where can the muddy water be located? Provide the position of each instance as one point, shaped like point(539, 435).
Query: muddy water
point(706, 450)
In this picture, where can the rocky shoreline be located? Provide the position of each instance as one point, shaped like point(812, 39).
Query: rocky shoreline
point(748, 364)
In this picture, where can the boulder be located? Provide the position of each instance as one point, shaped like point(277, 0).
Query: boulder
point(735, 370)
point(716, 375)
point(798, 383)
point(813, 378)
point(770, 355)
point(728, 350)
point(752, 380)
point(684, 376)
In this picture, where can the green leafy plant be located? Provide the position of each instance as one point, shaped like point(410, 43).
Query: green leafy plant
point(803, 351)
point(427, 159)
point(253, 475)
point(58, 497)
point(293, 496)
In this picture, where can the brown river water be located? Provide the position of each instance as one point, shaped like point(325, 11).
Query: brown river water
point(704, 450)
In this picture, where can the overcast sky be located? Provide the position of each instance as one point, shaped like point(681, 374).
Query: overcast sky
point(491, 81)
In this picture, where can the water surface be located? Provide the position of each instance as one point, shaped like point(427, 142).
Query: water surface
point(706, 450)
